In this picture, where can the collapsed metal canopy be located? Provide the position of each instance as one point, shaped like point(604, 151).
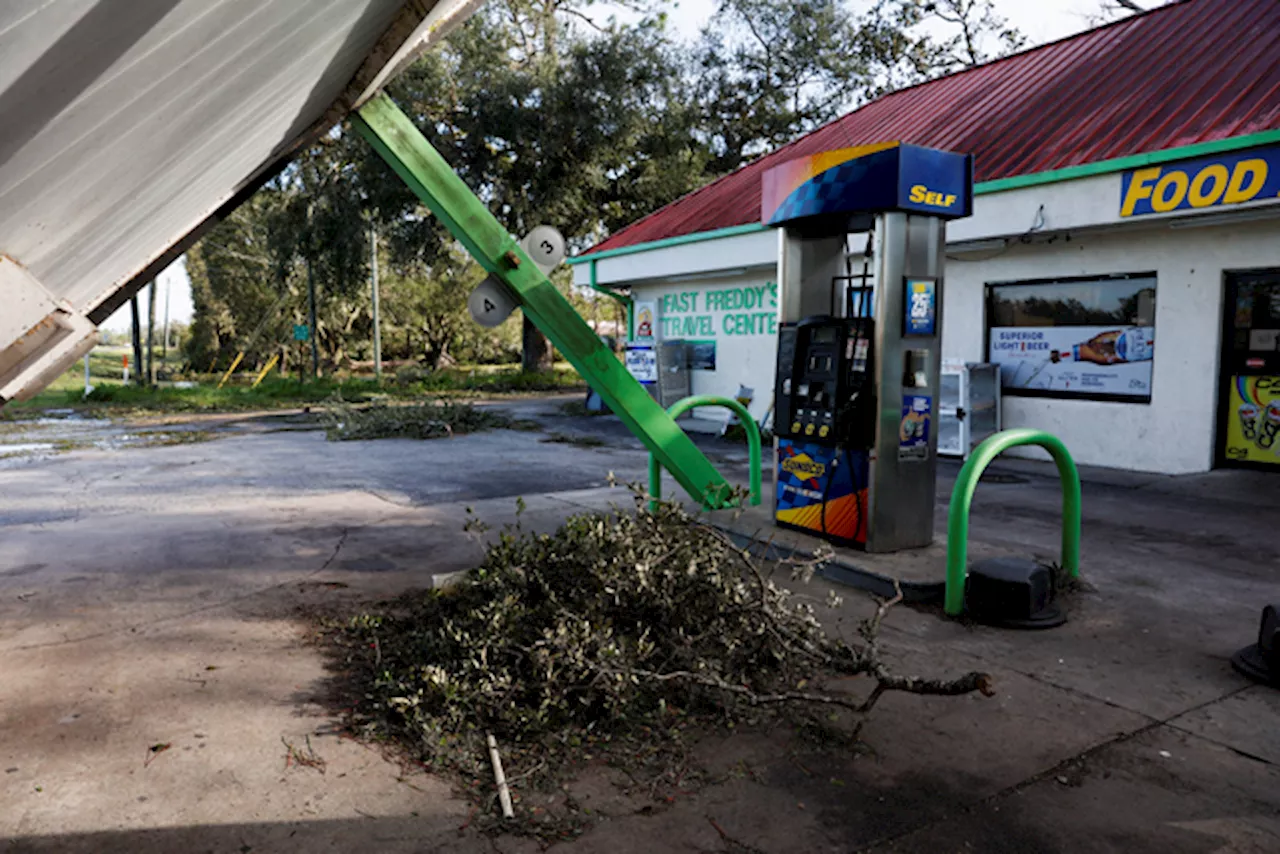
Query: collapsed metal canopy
point(127, 127)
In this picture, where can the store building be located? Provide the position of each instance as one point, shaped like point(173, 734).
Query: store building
point(1127, 182)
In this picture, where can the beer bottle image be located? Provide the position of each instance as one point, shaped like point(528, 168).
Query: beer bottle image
point(1249, 420)
point(1135, 344)
point(1271, 425)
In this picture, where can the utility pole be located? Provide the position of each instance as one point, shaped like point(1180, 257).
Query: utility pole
point(311, 296)
point(137, 340)
point(164, 349)
point(377, 319)
point(151, 333)
point(315, 347)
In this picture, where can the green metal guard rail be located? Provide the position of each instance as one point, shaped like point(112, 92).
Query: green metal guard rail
point(680, 407)
point(962, 498)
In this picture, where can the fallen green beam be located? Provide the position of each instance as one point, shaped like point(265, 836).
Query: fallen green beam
point(422, 168)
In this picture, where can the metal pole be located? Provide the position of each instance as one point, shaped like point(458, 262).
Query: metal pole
point(151, 333)
point(87, 387)
point(377, 317)
point(311, 297)
point(137, 340)
point(315, 347)
point(421, 167)
point(749, 426)
point(164, 348)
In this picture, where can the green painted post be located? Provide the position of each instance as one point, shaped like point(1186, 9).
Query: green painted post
point(620, 299)
point(680, 407)
point(962, 498)
point(421, 167)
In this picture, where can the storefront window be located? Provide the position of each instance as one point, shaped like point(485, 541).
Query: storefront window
point(1083, 338)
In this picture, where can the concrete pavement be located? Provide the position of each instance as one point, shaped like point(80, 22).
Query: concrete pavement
point(153, 596)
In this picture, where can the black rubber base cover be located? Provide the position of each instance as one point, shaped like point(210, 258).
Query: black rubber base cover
point(1049, 617)
point(1250, 662)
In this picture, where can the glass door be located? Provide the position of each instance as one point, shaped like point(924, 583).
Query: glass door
point(1249, 401)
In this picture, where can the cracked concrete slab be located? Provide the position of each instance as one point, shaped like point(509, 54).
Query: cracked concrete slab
point(155, 597)
point(1162, 790)
point(1240, 723)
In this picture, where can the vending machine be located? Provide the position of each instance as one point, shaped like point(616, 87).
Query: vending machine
point(857, 387)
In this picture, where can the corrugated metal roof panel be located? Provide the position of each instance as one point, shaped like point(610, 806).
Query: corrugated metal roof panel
point(126, 124)
point(1194, 71)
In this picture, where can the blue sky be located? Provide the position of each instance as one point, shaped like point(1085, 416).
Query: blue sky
point(1040, 20)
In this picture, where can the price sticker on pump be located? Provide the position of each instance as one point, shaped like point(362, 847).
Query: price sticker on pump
point(921, 310)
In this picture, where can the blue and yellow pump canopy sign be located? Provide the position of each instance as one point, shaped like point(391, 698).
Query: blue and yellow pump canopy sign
point(885, 176)
point(1209, 182)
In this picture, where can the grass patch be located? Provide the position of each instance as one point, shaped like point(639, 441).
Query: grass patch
point(159, 438)
point(281, 392)
point(434, 420)
point(526, 425)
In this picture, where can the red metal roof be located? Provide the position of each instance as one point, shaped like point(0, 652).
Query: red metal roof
point(1189, 72)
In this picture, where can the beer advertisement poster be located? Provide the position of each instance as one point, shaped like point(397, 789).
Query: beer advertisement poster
point(1098, 361)
point(1091, 337)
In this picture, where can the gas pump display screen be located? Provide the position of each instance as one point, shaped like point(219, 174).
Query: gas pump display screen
point(826, 335)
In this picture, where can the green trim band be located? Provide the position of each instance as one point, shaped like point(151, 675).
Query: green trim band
point(622, 299)
point(1052, 176)
point(1134, 161)
point(679, 240)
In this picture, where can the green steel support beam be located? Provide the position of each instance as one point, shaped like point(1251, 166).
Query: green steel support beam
point(625, 301)
point(421, 167)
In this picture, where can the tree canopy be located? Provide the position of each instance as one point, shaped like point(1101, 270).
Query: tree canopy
point(556, 112)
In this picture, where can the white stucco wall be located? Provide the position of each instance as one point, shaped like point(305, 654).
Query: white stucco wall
point(1174, 433)
point(1064, 229)
point(740, 253)
point(746, 340)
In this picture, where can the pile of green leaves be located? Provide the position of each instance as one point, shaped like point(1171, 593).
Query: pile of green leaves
point(562, 639)
point(428, 420)
point(614, 636)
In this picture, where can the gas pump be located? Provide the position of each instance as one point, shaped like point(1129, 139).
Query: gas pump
point(859, 357)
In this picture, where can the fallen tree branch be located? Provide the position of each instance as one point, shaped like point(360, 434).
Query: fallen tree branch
point(612, 636)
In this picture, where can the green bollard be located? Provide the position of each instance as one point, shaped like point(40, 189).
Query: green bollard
point(680, 407)
point(962, 498)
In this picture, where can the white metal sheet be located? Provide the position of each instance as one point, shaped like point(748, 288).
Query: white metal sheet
point(126, 123)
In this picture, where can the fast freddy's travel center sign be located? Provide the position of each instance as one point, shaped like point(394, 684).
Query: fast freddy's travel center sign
point(728, 312)
point(1210, 182)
